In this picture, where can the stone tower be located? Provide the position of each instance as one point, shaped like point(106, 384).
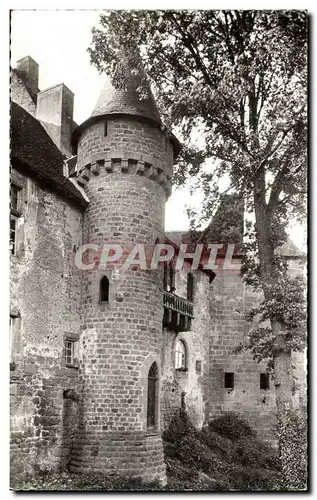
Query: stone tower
point(125, 166)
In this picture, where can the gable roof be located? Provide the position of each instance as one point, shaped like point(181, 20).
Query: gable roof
point(35, 151)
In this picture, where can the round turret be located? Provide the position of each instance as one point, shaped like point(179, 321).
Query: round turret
point(125, 165)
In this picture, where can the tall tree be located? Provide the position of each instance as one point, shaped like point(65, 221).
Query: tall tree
point(237, 80)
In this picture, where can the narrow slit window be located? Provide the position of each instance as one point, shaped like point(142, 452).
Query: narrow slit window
point(264, 381)
point(152, 396)
point(229, 380)
point(171, 280)
point(106, 129)
point(165, 279)
point(104, 289)
point(190, 287)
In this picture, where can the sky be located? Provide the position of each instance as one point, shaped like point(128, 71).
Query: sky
point(58, 40)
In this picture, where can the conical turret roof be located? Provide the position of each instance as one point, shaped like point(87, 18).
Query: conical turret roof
point(126, 101)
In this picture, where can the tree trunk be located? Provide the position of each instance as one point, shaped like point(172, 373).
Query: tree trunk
point(282, 371)
point(290, 437)
point(282, 360)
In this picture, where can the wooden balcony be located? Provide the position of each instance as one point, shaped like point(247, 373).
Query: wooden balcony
point(178, 312)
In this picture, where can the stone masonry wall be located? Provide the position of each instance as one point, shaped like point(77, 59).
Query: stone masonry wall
point(193, 383)
point(231, 299)
point(125, 135)
point(44, 309)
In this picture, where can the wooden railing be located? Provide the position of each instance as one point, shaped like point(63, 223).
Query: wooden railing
point(178, 304)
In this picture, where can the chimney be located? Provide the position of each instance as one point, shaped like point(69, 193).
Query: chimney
point(29, 70)
point(55, 111)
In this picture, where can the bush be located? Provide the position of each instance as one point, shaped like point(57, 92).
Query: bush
point(179, 426)
point(253, 479)
point(223, 456)
point(221, 446)
point(231, 426)
point(252, 453)
point(180, 477)
point(194, 453)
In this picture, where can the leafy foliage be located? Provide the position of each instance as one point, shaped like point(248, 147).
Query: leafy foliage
point(232, 84)
point(179, 426)
point(230, 426)
point(195, 461)
point(215, 461)
point(250, 452)
point(236, 79)
point(293, 430)
point(49, 480)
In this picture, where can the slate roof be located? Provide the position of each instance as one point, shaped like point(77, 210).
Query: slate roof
point(32, 146)
point(119, 101)
point(288, 249)
point(20, 74)
point(126, 101)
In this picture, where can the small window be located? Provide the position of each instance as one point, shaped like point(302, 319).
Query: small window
point(165, 278)
point(13, 231)
point(190, 287)
point(172, 280)
point(198, 366)
point(152, 396)
point(229, 380)
point(264, 381)
point(15, 335)
point(169, 279)
point(69, 352)
point(106, 129)
point(180, 355)
point(14, 197)
point(104, 289)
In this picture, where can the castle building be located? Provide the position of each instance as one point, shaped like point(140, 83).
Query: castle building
point(101, 358)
